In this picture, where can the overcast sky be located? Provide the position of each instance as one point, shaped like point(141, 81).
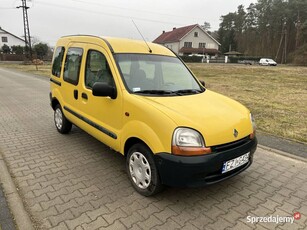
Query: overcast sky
point(51, 19)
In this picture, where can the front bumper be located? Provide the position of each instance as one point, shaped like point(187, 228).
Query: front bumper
point(196, 171)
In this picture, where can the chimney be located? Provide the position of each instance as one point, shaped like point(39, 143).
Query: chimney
point(174, 28)
point(163, 31)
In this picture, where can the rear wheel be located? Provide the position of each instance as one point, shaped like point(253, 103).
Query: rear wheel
point(142, 170)
point(61, 123)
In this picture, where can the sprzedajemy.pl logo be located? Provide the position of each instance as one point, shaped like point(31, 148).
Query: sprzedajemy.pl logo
point(273, 219)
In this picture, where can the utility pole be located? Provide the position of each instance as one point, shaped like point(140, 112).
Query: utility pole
point(28, 48)
point(283, 39)
point(298, 31)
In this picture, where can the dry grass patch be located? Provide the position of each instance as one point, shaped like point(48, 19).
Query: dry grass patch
point(277, 96)
point(42, 70)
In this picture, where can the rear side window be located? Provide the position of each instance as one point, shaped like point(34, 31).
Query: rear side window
point(72, 65)
point(57, 61)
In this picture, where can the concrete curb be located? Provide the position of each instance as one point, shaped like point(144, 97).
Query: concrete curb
point(282, 144)
point(289, 155)
point(20, 215)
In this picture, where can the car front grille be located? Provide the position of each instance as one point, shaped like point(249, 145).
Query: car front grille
point(230, 145)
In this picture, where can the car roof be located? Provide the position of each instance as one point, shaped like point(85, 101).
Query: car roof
point(119, 45)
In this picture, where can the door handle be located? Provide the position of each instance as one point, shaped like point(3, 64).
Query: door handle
point(76, 94)
point(84, 96)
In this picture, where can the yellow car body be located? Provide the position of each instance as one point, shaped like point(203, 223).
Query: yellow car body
point(127, 116)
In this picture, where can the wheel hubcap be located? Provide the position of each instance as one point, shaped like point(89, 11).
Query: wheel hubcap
point(58, 118)
point(140, 170)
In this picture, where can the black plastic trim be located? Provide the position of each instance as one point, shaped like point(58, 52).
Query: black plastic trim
point(231, 145)
point(55, 82)
point(108, 44)
point(197, 171)
point(50, 97)
point(88, 121)
point(84, 96)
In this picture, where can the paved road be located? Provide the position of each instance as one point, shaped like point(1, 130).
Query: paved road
point(75, 182)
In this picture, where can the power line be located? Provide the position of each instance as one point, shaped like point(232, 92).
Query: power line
point(143, 11)
point(107, 14)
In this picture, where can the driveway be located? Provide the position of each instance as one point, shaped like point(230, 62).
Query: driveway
point(75, 182)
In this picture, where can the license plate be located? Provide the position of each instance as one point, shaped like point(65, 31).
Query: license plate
point(235, 163)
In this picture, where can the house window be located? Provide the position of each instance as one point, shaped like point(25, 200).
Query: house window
point(187, 44)
point(4, 39)
point(169, 46)
point(202, 45)
point(196, 34)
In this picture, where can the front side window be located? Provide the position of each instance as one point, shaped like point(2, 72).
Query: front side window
point(57, 61)
point(97, 69)
point(72, 65)
point(155, 74)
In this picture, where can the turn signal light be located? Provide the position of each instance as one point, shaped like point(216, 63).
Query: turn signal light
point(190, 151)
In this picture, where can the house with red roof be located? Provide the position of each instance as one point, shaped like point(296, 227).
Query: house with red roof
point(189, 40)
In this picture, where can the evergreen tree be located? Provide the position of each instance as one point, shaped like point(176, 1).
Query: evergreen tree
point(263, 28)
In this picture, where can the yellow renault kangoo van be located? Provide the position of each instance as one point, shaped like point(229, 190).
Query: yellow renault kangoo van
point(141, 100)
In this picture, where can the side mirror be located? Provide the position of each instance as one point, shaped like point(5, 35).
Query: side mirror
point(203, 83)
point(101, 89)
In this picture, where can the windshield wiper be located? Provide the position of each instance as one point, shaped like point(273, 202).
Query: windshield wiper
point(188, 91)
point(169, 92)
point(154, 91)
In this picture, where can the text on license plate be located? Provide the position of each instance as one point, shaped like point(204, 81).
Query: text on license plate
point(235, 163)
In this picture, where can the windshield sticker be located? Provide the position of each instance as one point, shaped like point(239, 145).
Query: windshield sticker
point(136, 89)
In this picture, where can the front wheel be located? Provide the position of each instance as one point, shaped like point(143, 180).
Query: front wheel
point(61, 123)
point(142, 170)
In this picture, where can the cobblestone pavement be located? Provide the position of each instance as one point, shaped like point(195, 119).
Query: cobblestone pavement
point(75, 182)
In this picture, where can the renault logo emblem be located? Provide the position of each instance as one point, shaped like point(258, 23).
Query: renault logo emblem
point(235, 133)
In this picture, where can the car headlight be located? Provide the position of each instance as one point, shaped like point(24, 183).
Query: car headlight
point(252, 119)
point(188, 142)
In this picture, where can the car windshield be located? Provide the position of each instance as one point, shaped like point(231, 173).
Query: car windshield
point(156, 75)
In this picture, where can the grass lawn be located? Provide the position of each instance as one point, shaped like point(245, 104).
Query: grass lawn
point(42, 70)
point(277, 96)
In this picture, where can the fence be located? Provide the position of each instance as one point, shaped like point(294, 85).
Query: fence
point(12, 57)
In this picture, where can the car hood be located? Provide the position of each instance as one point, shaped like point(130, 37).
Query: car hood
point(213, 115)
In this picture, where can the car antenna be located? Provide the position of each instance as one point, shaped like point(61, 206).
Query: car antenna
point(150, 51)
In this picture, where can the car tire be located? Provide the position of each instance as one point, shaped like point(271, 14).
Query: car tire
point(142, 170)
point(61, 123)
